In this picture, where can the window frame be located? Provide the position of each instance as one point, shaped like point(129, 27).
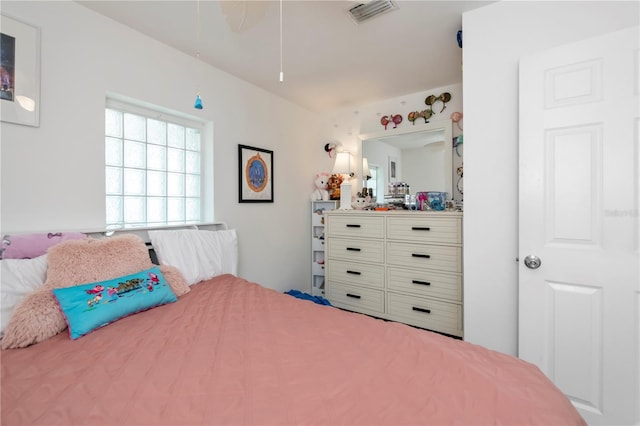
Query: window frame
point(169, 117)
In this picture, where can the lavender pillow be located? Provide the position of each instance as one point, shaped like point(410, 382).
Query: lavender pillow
point(30, 246)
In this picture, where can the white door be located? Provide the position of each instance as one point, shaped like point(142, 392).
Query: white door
point(579, 312)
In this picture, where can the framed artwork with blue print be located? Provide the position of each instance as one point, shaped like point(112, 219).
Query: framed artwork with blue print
point(88, 307)
point(255, 170)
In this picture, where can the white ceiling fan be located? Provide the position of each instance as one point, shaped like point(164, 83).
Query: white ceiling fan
point(240, 15)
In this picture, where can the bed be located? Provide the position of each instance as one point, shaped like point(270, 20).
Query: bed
point(233, 352)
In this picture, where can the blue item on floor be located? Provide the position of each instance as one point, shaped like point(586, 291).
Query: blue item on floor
point(306, 296)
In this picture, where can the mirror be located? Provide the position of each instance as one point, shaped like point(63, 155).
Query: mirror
point(420, 156)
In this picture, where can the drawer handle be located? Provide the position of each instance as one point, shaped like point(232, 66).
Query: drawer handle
point(420, 228)
point(426, 311)
point(352, 226)
point(354, 272)
point(355, 296)
point(423, 256)
point(420, 282)
point(353, 249)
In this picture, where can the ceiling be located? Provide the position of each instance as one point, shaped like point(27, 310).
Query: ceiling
point(328, 60)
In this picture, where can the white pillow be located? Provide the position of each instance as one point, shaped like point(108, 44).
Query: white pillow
point(18, 278)
point(198, 254)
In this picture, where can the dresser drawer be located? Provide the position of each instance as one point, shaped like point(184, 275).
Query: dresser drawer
point(348, 225)
point(422, 229)
point(354, 298)
point(355, 273)
point(358, 250)
point(433, 315)
point(442, 258)
point(425, 283)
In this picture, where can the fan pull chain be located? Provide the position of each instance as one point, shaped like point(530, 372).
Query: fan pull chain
point(281, 72)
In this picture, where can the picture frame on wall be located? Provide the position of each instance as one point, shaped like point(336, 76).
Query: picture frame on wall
point(255, 173)
point(19, 72)
point(393, 168)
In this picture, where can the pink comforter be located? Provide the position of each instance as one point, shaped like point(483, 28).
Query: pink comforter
point(233, 352)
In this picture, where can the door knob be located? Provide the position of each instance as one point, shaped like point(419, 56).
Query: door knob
point(532, 262)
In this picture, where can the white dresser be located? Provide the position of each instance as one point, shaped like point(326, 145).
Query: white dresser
point(402, 266)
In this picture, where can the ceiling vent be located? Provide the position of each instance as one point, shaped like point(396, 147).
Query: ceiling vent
point(365, 11)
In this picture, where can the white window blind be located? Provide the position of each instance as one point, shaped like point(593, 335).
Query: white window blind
point(153, 167)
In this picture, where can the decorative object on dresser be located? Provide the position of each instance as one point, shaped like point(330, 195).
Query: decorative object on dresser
point(361, 203)
point(343, 166)
point(333, 186)
point(321, 184)
point(318, 208)
point(398, 265)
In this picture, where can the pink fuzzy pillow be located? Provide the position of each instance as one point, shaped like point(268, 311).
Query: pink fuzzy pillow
point(71, 263)
point(176, 280)
point(35, 319)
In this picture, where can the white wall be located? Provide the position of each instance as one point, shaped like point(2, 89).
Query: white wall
point(495, 37)
point(52, 177)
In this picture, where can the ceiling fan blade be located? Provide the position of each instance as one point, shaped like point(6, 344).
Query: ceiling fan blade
point(240, 15)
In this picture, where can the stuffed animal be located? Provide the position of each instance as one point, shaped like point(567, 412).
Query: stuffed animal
point(334, 186)
point(361, 203)
point(321, 193)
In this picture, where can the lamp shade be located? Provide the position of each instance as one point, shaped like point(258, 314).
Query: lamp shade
point(342, 166)
point(366, 173)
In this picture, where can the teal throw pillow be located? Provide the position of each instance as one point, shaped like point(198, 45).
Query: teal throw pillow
point(87, 307)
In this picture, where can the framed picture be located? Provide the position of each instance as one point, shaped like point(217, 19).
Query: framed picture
point(393, 168)
point(19, 72)
point(255, 171)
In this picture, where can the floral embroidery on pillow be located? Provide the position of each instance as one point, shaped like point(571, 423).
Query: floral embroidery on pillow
point(90, 306)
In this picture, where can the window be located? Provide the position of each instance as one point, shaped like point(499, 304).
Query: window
point(152, 168)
